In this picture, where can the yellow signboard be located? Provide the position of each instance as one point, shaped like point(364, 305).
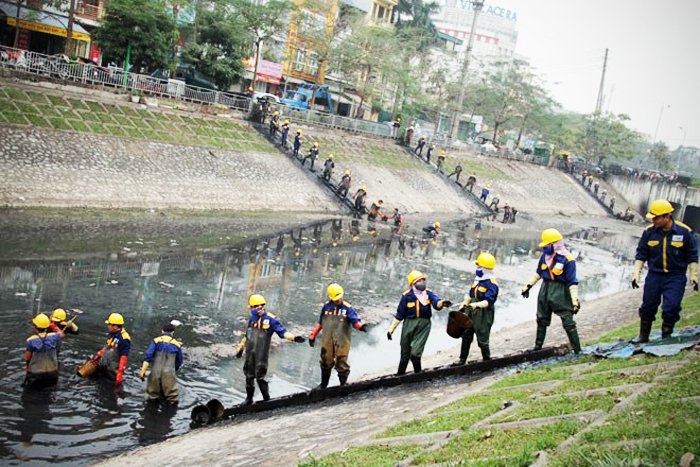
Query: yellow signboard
point(46, 29)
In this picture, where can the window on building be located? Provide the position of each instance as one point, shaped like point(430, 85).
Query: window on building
point(300, 60)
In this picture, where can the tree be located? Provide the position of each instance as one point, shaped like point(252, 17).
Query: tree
point(145, 29)
point(219, 43)
point(660, 153)
point(607, 136)
point(261, 21)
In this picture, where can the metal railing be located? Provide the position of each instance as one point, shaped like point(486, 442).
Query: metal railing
point(88, 74)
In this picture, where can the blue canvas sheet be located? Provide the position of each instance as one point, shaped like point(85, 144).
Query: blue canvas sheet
point(680, 340)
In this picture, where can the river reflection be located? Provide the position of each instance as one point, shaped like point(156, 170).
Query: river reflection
point(79, 421)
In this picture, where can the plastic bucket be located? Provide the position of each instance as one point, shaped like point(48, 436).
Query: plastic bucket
point(87, 369)
point(457, 323)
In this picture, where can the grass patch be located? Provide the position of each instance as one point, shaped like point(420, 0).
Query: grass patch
point(56, 100)
point(444, 422)
point(38, 120)
point(561, 405)
point(60, 123)
point(513, 447)
point(95, 107)
point(79, 125)
point(595, 381)
point(365, 456)
point(548, 373)
point(77, 104)
point(37, 98)
point(14, 93)
point(15, 117)
point(487, 397)
point(116, 130)
point(27, 108)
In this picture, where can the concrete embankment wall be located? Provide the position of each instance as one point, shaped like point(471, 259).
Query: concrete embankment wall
point(639, 193)
point(48, 166)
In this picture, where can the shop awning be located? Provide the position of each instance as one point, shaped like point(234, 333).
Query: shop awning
point(42, 21)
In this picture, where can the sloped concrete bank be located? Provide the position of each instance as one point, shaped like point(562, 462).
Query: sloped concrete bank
point(43, 167)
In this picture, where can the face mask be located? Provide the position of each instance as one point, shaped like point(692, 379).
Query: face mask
point(420, 286)
point(479, 272)
point(548, 250)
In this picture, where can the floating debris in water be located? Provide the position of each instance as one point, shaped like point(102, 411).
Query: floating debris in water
point(166, 284)
point(20, 294)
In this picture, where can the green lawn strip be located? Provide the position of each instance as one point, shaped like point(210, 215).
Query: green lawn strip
point(487, 397)
point(483, 172)
point(56, 101)
point(38, 120)
point(597, 380)
point(14, 93)
point(15, 117)
point(37, 97)
point(610, 364)
point(378, 455)
point(27, 108)
point(95, 107)
point(79, 125)
point(561, 405)
point(76, 104)
point(664, 449)
point(60, 123)
point(443, 422)
point(547, 373)
point(501, 447)
point(49, 110)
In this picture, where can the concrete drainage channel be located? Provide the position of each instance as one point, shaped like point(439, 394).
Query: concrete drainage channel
point(214, 411)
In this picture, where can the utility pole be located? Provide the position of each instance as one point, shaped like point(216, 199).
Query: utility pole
point(478, 5)
point(599, 102)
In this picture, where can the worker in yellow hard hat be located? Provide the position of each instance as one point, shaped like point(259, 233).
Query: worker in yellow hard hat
point(59, 322)
point(415, 310)
point(284, 133)
point(479, 305)
point(360, 198)
point(41, 353)
point(312, 155)
point(441, 160)
point(328, 167)
point(670, 250)
point(256, 344)
point(432, 231)
point(274, 124)
point(559, 290)
point(298, 140)
point(375, 210)
point(337, 319)
point(112, 358)
point(344, 184)
point(164, 356)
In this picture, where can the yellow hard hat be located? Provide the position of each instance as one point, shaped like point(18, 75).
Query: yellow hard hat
point(276, 112)
point(347, 172)
point(250, 89)
point(437, 224)
point(414, 275)
point(41, 321)
point(486, 260)
point(286, 121)
point(256, 300)
point(364, 187)
point(335, 292)
point(659, 207)
point(58, 315)
point(315, 144)
point(115, 318)
point(331, 156)
point(299, 131)
point(550, 236)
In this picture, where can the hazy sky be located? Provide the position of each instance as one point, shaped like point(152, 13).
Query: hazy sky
point(653, 59)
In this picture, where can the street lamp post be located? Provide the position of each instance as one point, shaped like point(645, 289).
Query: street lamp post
point(658, 122)
point(478, 5)
point(680, 150)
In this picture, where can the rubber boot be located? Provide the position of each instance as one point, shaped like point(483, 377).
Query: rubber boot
point(644, 331)
point(249, 391)
point(486, 352)
point(264, 389)
point(403, 364)
point(666, 329)
point(574, 340)
point(416, 364)
point(539, 339)
point(325, 377)
point(464, 351)
point(343, 379)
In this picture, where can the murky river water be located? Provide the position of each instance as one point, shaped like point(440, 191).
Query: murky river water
point(79, 421)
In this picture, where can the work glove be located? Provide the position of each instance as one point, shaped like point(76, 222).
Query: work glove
point(142, 373)
point(239, 354)
point(638, 265)
point(388, 335)
point(119, 379)
point(363, 328)
point(97, 356)
point(312, 341)
point(385, 218)
point(446, 304)
point(299, 340)
point(392, 328)
point(526, 290)
point(576, 303)
point(693, 267)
